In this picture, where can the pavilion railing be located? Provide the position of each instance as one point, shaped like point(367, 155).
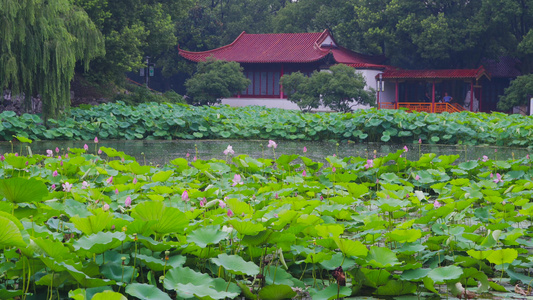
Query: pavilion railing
point(423, 107)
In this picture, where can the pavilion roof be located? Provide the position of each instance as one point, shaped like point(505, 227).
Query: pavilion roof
point(436, 74)
point(285, 48)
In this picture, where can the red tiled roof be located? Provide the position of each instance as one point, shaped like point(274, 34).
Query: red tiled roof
point(283, 48)
point(436, 74)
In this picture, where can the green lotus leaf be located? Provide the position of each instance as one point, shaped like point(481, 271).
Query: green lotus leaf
point(502, 256)
point(380, 257)
point(414, 274)
point(443, 274)
point(137, 169)
point(318, 257)
point(236, 264)
point(182, 163)
point(10, 234)
point(84, 280)
point(53, 248)
point(10, 294)
point(159, 264)
point(162, 189)
point(203, 291)
point(276, 292)
point(329, 230)
point(168, 219)
point(246, 227)
point(336, 260)
point(100, 242)
point(405, 235)
point(478, 254)
point(375, 278)
point(116, 271)
point(351, 248)
point(146, 292)
point(162, 176)
point(23, 139)
point(22, 190)
point(356, 190)
point(396, 288)
point(94, 223)
point(55, 280)
point(12, 219)
point(182, 276)
point(469, 165)
point(238, 207)
point(207, 235)
point(114, 153)
point(332, 292)
point(109, 295)
point(277, 275)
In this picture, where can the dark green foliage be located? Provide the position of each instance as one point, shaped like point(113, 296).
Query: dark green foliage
point(40, 43)
point(167, 121)
point(339, 89)
point(144, 95)
point(518, 93)
point(214, 80)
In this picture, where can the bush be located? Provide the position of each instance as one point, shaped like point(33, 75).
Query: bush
point(214, 80)
point(518, 93)
point(144, 95)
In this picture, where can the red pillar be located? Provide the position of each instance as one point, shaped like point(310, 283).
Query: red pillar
point(281, 86)
point(378, 99)
point(433, 98)
point(396, 100)
point(472, 95)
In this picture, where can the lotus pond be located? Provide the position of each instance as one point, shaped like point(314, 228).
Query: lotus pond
point(74, 224)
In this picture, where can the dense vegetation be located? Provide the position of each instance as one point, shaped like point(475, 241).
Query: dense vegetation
point(411, 33)
point(270, 228)
point(177, 121)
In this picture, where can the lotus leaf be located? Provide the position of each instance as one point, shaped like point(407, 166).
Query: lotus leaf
point(502, 256)
point(167, 219)
point(22, 190)
point(109, 295)
point(276, 292)
point(333, 291)
point(10, 234)
point(235, 264)
point(94, 223)
point(396, 288)
point(207, 235)
point(443, 274)
point(380, 257)
point(351, 248)
point(99, 242)
point(146, 292)
point(182, 276)
point(246, 227)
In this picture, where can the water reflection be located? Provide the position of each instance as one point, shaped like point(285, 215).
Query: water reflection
point(161, 152)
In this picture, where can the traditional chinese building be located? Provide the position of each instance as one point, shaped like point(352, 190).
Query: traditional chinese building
point(267, 57)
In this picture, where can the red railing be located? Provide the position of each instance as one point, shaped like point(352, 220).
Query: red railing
point(425, 107)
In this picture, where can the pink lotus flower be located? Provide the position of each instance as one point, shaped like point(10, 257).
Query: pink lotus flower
point(369, 164)
point(527, 156)
point(54, 174)
point(16, 154)
point(86, 147)
point(437, 204)
point(53, 187)
point(96, 139)
point(187, 155)
point(194, 158)
point(229, 150)
point(61, 163)
point(127, 202)
point(84, 185)
point(485, 158)
point(2, 158)
point(237, 180)
point(417, 177)
point(66, 156)
point(321, 197)
point(221, 203)
point(106, 207)
point(185, 196)
point(491, 175)
point(276, 196)
point(67, 186)
point(203, 202)
point(498, 178)
point(304, 173)
point(333, 170)
point(99, 151)
point(49, 153)
point(135, 180)
point(116, 191)
point(230, 213)
point(57, 150)
point(109, 180)
point(59, 157)
point(419, 141)
point(305, 149)
point(405, 148)
point(271, 144)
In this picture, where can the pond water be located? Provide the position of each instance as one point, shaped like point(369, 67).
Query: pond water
point(162, 151)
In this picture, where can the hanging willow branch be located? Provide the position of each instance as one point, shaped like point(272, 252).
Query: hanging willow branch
point(40, 43)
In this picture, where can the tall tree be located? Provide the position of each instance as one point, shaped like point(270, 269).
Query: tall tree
point(40, 43)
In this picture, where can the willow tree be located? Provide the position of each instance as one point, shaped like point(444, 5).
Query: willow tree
point(40, 44)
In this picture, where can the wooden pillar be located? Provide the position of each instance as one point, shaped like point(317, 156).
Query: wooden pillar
point(397, 91)
point(280, 85)
point(433, 97)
